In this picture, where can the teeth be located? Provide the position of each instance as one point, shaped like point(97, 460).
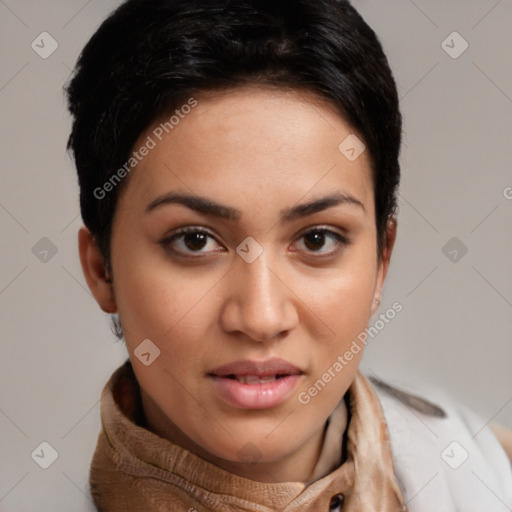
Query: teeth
point(254, 379)
point(269, 378)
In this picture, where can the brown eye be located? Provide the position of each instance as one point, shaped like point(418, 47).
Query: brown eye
point(316, 239)
point(195, 241)
point(188, 241)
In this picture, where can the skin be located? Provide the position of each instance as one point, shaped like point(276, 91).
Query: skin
point(260, 151)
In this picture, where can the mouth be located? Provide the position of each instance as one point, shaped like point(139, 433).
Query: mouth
point(269, 368)
point(256, 384)
point(254, 379)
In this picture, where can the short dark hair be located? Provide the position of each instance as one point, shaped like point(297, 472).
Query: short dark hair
point(149, 56)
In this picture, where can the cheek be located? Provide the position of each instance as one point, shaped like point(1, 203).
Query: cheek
point(343, 298)
point(344, 307)
point(349, 306)
point(162, 302)
point(343, 303)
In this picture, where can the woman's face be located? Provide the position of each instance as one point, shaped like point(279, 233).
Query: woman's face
point(271, 274)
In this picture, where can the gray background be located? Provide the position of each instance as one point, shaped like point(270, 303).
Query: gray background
point(455, 329)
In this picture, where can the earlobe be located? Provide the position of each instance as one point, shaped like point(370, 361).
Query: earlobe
point(376, 302)
point(93, 268)
point(384, 262)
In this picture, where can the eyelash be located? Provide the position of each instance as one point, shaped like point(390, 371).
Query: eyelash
point(341, 240)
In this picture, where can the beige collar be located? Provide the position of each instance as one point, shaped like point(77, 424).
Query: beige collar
point(134, 469)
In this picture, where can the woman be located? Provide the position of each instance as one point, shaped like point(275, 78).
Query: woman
point(238, 167)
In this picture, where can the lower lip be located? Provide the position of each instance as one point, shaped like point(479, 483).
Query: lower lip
point(255, 396)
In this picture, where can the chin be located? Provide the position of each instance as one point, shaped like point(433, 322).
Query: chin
point(247, 449)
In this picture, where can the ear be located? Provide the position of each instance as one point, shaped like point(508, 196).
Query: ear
point(384, 263)
point(93, 268)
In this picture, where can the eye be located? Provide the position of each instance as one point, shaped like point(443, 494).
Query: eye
point(188, 240)
point(316, 238)
point(192, 240)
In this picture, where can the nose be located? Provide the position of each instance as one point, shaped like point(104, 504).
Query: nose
point(260, 302)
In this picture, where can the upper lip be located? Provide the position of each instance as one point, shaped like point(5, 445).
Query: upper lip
point(267, 367)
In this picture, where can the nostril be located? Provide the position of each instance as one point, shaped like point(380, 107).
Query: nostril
point(337, 502)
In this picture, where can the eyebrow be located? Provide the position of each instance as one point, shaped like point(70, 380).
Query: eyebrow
point(211, 208)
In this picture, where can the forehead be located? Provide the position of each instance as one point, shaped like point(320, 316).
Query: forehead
point(275, 145)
